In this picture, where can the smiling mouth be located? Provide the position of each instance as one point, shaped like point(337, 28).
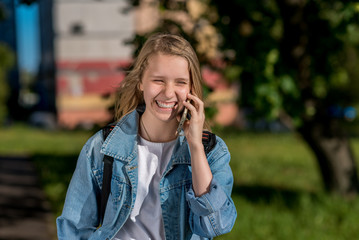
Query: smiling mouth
point(166, 105)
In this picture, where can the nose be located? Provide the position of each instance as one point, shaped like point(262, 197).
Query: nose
point(169, 91)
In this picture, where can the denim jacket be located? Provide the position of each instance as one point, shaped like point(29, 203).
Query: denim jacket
point(185, 216)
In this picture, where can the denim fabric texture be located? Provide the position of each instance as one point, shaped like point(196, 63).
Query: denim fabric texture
point(185, 216)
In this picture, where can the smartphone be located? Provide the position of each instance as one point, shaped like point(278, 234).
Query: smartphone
point(184, 117)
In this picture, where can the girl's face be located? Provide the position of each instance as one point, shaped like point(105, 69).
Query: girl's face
point(165, 84)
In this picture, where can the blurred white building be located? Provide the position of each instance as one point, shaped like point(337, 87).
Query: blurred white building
point(90, 51)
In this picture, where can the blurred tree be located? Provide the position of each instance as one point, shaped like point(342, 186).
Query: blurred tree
point(7, 60)
point(299, 59)
point(296, 60)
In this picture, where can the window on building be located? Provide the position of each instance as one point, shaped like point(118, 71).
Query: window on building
point(77, 29)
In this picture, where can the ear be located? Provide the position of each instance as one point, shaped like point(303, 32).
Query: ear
point(140, 86)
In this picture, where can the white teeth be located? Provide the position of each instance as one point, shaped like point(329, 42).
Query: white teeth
point(165, 105)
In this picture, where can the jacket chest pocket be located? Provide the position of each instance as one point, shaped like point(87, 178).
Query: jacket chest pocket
point(179, 176)
point(177, 182)
point(120, 192)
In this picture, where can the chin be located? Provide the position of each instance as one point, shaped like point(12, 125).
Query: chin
point(166, 116)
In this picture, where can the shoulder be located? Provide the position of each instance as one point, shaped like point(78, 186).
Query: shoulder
point(213, 142)
point(221, 144)
point(95, 140)
point(219, 151)
point(91, 149)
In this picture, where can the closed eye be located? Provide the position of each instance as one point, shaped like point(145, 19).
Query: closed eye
point(158, 80)
point(182, 82)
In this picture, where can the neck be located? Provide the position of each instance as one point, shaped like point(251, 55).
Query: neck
point(156, 131)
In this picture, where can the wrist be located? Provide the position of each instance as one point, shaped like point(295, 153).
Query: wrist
point(196, 147)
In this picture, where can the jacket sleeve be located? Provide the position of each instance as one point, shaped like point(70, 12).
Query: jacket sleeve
point(79, 217)
point(214, 213)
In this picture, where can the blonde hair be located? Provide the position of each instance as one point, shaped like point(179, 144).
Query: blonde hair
point(129, 95)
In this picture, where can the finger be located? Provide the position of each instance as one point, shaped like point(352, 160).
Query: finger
point(197, 116)
point(198, 103)
point(194, 99)
point(190, 107)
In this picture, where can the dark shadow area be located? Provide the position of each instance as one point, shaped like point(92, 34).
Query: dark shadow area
point(268, 194)
point(24, 211)
point(55, 167)
point(55, 172)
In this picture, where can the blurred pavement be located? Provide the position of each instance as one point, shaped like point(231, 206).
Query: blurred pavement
point(24, 211)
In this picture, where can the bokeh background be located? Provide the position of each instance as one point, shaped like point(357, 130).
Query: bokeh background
point(280, 80)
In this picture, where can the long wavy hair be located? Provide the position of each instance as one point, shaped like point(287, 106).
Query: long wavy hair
point(129, 95)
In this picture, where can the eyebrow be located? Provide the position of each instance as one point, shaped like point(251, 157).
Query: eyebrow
point(156, 76)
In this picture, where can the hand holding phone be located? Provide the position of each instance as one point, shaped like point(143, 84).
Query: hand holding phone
point(185, 115)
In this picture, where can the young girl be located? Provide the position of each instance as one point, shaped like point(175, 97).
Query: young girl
point(164, 185)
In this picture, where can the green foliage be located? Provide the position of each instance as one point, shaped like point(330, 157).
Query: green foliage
point(232, 73)
point(7, 60)
point(255, 31)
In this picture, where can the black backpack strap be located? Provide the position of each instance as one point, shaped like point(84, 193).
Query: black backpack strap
point(209, 141)
point(107, 175)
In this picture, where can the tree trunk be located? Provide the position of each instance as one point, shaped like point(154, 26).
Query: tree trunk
point(334, 156)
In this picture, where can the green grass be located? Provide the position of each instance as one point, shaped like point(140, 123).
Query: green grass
point(280, 160)
point(278, 191)
point(279, 194)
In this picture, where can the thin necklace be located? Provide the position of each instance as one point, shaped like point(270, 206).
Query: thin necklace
point(143, 125)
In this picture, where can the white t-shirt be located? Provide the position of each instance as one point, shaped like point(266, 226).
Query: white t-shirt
point(145, 221)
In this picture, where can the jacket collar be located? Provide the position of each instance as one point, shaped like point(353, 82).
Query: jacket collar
point(121, 143)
